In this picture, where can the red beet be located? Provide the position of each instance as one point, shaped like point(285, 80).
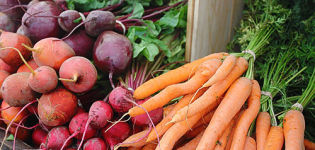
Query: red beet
point(13, 13)
point(81, 43)
point(5, 67)
point(95, 144)
point(143, 120)
point(39, 136)
point(56, 137)
point(77, 124)
point(112, 52)
point(40, 27)
point(99, 21)
point(117, 99)
point(6, 23)
point(67, 21)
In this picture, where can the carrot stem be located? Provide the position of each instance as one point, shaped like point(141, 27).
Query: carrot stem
point(30, 49)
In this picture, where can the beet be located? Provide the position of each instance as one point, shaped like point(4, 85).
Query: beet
point(120, 131)
point(77, 124)
point(14, 13)
point(5, 67)
point(143, 120)
point(117, 99)
point(42, 27)
point(56, 137)
point(57, 107)
point(88, 98)
point(112, 52)
point(100, 112)
point(81, 43)
point(6, 23)
point(95, 144)
point(39, 136)
point(99, 21)
point(67, 21)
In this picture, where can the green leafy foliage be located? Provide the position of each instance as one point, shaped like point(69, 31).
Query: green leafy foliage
point(88, 5)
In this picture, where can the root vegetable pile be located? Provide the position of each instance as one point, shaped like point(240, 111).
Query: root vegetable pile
point(99, 75)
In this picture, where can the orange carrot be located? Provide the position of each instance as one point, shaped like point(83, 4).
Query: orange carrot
point(164, 125)
point(250, 143)
point(149, 146)
point(222, 71)
point(293, 129)
point(167, 110)
point(174, 133)
point(135, 140)
point(230, 139)
point(204, 120)
point(247, 117)
point(228, 108)
point(274, 139)
point(172, 77)
point(194, 132)
point(192, 144)
point(221, 144)
point(212, 96)
point(309, 145)
point(203, 73)
point(262, 129)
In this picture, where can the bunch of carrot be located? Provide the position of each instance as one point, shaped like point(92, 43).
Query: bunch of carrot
point(218, 108)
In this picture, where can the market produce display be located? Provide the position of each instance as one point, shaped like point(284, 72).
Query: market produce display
point(98, 75)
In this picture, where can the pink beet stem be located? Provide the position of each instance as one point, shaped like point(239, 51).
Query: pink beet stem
point(85, 129)
point(16, 130)
point(5, 108)
point(69, 138)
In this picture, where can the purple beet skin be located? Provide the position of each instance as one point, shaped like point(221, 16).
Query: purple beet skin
point(112, 52)
point(81, 43)
point(44, 22)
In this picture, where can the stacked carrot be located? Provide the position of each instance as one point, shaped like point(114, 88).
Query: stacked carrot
point(218, 107)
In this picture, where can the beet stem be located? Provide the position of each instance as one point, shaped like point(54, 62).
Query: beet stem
point(30, 49)
point(110, 76)
point(16, 6)
point(5, 109)
point(85, 129)
point(158, 139)
point(16, 130)
point(22, 58)
point(8, 127)
point(28, 128)
point(163, 10)
point(114, 123)
point(69, 138)
point(122, 26)
point(76, 27)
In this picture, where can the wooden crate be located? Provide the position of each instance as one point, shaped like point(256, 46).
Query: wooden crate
point(210, 25)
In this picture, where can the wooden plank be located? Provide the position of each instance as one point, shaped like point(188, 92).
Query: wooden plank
point(212, 26)
point(19, 145)
point(190, 19)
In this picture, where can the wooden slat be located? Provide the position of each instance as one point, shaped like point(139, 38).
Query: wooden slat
point(210, 26)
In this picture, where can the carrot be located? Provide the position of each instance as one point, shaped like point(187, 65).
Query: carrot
point(247, 117)
point(211, 97)
point(134, 148)
point(203, 73)
point(167, 110)
point(223, 70)
point(262, 129)
point(309, 145)
point(228, 108)
point(250, 143)
point(173, 134)
point(192, 144)
point(221, 144)
point(205, 119)
point(194, 132)
point(229, 142)
point(172, 77)
point(135, 140)
point(149, 146)
point(274, 139)
point(293, 129)
point(164, 125)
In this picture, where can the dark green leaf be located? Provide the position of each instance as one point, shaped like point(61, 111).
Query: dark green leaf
point(77, 20)
point(10, 137)
point(137, 12)
point(151, 51)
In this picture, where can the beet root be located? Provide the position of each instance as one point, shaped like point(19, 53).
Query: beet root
point(66, 22)
point(39, 136)
point(56, 137)
point(57, 107)
point(81, 43)
point(40, 21)
point(6, 23)
point(95, 144)
point(143, 120)
point(117, 99)
point(77, 125)
point(112, 52)
point(43, 80)
point(3, 76)
point(16, 91)
point(78, 74)
point(99, 21)
point(100, 112)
